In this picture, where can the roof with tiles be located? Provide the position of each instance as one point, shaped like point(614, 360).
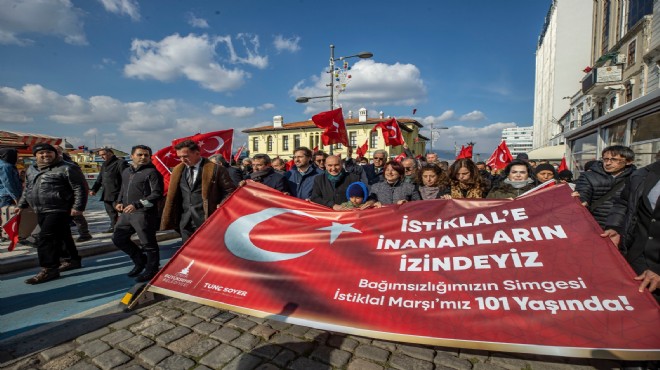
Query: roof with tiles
point(348, 121)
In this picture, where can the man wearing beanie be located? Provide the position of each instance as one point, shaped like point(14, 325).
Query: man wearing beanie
point(56, 190)
point(545, 172)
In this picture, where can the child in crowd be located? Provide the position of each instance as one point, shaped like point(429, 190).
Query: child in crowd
point(356, 193)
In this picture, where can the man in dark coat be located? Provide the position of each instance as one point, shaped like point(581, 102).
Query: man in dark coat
point(329, 188)
point(197, 187)
point(110, 180)
point(263, 172)
point(634, 225)
point(375, 171)
point(606, 176)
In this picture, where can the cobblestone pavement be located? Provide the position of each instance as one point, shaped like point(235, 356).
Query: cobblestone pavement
point(176, 334)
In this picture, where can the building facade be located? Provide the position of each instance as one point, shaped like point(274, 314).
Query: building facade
point(280, 139)
point(518, 139)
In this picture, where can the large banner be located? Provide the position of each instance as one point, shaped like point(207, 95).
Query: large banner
point(527, 275)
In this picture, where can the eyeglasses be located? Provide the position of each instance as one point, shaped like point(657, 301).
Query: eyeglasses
point(613, 160)
point(379, 158)
point(408, 168)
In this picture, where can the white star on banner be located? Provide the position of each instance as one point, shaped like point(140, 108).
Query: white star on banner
point(336, 229)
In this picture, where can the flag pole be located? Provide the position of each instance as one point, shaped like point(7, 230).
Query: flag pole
point(232, 146)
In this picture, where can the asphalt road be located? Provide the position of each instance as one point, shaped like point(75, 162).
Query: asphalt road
point(101, 281)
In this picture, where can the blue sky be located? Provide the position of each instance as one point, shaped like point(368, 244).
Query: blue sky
point(126, 72)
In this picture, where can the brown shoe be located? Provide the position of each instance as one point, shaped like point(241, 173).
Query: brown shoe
point(69, 265)
point(43, 276)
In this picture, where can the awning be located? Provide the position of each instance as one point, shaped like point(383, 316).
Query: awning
point(23, 141)
point(551, 153)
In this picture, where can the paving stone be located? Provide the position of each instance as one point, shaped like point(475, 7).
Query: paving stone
point(220, 355)
point(403, 362)
point(258, 320)
point(226, 335)
point(134, 345)
point(205, 328)
point(93, 348)
point(202, 367)
point(304, 363)
point(51, 353)
point(372, 353)
point(265, 367)
point(144, 324)
point(175, 362)
point(296, 330)
point(188, 306)
point(443, 359)
point(131, 366)
point(63, 362)
point(244, 361)
point(388, 346)
point(153, 311)
point(343, 342)
point(117, 336)
point(508, 362)
point(154, 355)
point(201, 348)
point(483, 366)
point(82, 365)
point(360, 339)
point(474, 356)
point(446, 351)
point(172, 335)
point(362, 364)
point(157, 329)
point(263, 331)
point(242, 323)
point(267, 351)
point(283, 358)
point(277, 325)
point(422, 353)
point(182, 344)
point(171, 302)
point(111, 359)
point(297, 345)
point(188, 320)
point(171, 315)
point(332, 356)
point(92, 336)
point(245, 342)
point(125, 323)
point(206, 312)
point(319, 336)
point(223, 317)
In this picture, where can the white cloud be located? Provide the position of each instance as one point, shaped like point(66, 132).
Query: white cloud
point(197, 22)
point(58, 18)
point(127, 7)
point(284, 44)
point(251, 44)
point(91, 132)
point(485, 138)
point(371, 83)
point(266, 106)
point(220, 110)
point(475, 115)
point(191, 56)
point(447, 115)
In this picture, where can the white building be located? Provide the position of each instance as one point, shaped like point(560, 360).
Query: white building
point(518, 139)
point(563, 51)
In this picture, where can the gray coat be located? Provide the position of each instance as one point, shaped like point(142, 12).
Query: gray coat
point(391, 194)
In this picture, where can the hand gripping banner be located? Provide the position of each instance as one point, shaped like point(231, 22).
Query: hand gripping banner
point(530, 275)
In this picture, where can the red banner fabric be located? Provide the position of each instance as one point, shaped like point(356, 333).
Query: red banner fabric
point(334, 125)
point(466, 152)
point(361, 151)
point(526, 275)
point(501, 157)
point(210, 143)
point(11, 228)
point(391, 132)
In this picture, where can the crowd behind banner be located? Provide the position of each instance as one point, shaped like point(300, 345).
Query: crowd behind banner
point(622, 198)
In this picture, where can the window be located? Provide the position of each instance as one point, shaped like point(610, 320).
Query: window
point(285, 142)
point(352, 139)
point(373, 139)
point(296, 141)
point(645, 138)
point(615, 134)
point(637, 9)
point(255, 144)
point(269, 144)
point(584, 150)
point(629, 92)
point(338, 146)
point(632, 47)
point(605, 33)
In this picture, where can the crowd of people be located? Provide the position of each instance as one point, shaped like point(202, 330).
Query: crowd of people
point(622, 199)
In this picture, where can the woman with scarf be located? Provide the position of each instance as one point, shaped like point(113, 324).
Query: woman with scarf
point(393, 190)
point(466, 181)
point(435, 183)
point(517, 181)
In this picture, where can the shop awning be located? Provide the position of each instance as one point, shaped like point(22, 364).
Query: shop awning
point(23, 141)
point(551, 153)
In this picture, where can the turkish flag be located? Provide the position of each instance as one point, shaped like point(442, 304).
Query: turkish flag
point(165, 159)
point(210, 143)
point(335, 128)
point(316, 149)
point(391, 132)
point(562, 165)
point(290, 164)
point(361, 151)
point(466, 152)
point(238, 153)
point(11, 228)
point(500, 157)
point(400, 157)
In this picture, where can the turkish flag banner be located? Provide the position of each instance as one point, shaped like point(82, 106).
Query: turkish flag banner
point(562, 166)
point(210, 143)
point(361, 151)
point(334, 125)
point(391, 132)
point(466, 152)
point(529, 275)
point(501, 157)
point(11, 228)
point(163, 160)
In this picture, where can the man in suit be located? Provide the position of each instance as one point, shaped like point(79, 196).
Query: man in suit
point(375, 171)
point(110, 180)
point(197, 187)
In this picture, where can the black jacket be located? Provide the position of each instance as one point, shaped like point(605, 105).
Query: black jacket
point(272, 179)
point(110, 179)
point(60, 187)
point(142, 187)
point(594, 184)
point(372, 176)
point(327, 194)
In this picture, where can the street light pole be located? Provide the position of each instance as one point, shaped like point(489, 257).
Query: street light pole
point(433, 133)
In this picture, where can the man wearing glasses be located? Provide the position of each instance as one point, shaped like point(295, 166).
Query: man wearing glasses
point(375, 171)
point(599, 187)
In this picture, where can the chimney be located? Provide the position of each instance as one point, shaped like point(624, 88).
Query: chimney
point(350, 114)
point(277, 121)
point(381, 115)
point(362, 115)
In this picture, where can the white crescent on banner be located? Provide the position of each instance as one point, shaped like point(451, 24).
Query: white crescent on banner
point(501, 157)
point(237, 236)
point(220, 144)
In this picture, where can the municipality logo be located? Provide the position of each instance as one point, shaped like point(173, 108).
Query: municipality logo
point(186, 270)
